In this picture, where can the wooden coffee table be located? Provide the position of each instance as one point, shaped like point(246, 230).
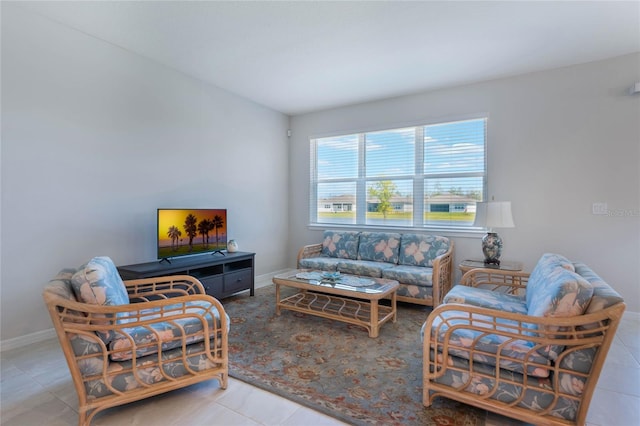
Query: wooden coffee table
point(349, 299)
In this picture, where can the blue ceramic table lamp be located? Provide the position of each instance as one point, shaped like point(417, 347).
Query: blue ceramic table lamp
point(493, 214)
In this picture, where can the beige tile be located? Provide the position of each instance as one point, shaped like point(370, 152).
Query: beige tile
point(498, 420)
point(211, 390)
point(20, 389)
point(306, 416)
point(49, 411)
point(25, 402)
point(620, 355)
point(613, 408)
point(169, 408)
point(629, 330)
point(217, 414)
point(65, 392)
point(636, 353)
point(8, 370)
point(258, 404)
point(630, 319)
point(623, 380)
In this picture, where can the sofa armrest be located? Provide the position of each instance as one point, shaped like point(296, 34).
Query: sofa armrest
point(311, 250)
point(147, 289)
point(510, 282)
point(442, 279)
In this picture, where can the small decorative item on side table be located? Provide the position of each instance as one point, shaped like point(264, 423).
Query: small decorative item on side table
point(232, 246)
point(493, 214)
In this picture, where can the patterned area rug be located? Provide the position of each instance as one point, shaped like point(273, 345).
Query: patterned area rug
point(335, 368)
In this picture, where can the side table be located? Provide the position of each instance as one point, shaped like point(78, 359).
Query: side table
point(510, 280)
point(469, 264)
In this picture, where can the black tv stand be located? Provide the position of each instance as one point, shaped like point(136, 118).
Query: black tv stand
point(221, 276)
point(165, 259)
point(218, 251)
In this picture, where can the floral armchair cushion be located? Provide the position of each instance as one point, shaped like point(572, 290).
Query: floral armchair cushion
point(421, 249)
point(126, 375)
point(603, 294)
point(61, 284)
point(556, 291)
point(340, 244)
point(379, 247)
point(547, 263)
point(565, 294)
point(484, 298)
point(487, 348)
point(99, 283)
point(168, 333)
point(509, 388)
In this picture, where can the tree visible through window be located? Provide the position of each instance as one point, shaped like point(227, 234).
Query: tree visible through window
point(421, 176)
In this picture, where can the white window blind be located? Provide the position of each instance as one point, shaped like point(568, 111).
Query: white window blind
point(422, 176)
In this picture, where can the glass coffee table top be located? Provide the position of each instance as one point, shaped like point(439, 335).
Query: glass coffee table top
point(339, 281)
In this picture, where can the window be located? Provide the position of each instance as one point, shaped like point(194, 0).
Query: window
point(423, 176)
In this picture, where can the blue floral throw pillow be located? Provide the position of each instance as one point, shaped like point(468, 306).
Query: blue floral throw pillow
point(99, 283)
point(422, 249)
point(340, 244)
point(379, 247)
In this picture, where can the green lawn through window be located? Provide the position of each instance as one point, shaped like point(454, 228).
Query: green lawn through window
point(430, 216)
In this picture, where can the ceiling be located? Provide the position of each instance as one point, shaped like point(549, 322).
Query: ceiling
point(303, 56)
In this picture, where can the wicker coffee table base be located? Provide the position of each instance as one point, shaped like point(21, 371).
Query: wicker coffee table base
point(366, 313)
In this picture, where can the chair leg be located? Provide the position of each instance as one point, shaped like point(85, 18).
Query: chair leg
point(426, 401)
point(224, 381)
point(84, 419)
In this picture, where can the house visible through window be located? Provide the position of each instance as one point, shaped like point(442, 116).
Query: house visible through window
point(421, 176)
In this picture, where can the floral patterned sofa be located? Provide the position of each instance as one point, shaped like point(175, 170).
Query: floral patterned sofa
point(525, 346)
point(421, 263)
point(125, 341)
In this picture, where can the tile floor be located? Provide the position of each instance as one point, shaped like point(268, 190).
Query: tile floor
point(36, 389)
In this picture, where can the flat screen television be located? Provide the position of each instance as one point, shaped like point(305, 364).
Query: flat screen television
point(184, 232)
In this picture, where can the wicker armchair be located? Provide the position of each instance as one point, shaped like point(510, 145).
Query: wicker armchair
point(484, 349)
point(169, 335)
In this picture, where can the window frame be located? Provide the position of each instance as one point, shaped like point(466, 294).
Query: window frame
point(419, 177)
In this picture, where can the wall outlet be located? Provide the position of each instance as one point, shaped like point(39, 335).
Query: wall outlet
point(599, 208)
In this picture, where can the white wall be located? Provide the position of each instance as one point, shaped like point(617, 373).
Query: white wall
point(95, 138)
point(558, 141)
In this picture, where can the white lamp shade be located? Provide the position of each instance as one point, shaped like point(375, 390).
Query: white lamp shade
point(494, 214)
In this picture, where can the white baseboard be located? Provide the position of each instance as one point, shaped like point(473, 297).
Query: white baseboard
point(265, 279)
point(20, 341)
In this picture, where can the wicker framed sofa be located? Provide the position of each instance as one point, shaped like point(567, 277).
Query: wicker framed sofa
point(125, 341)
point(421, 263)
point(530, 347)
